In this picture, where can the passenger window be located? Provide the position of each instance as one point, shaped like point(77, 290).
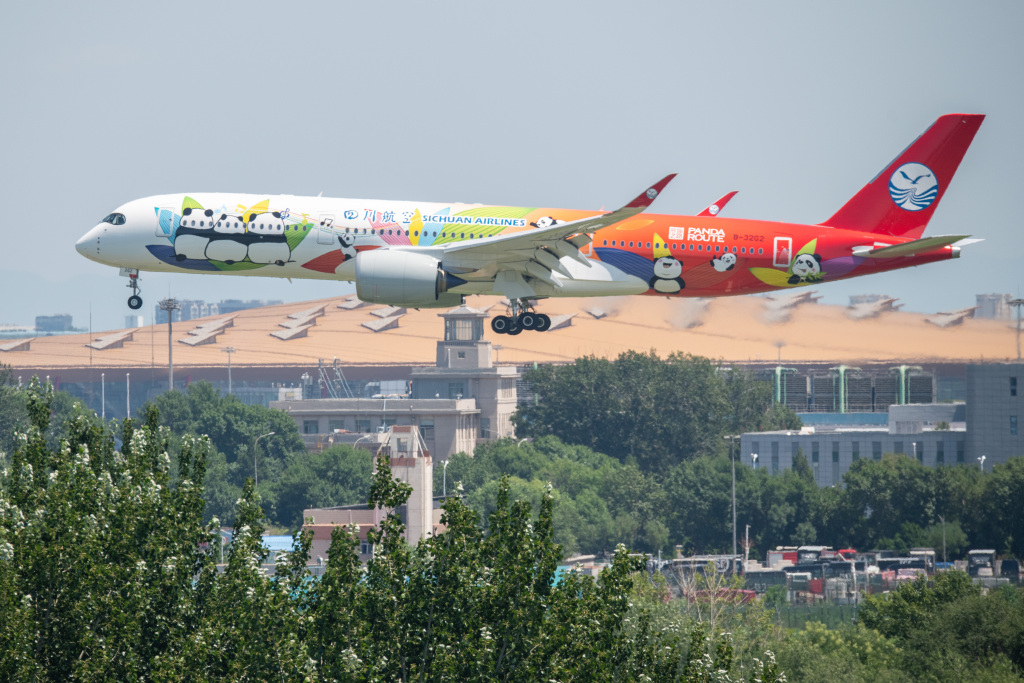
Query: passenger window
point(648, 245)
point(673, 246)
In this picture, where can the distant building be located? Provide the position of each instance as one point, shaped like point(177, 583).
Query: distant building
point(462, 401)
point(994, 306)
point(54, 323)
point(986, 425)
point(410, 463)
point(832, 450)
point(994, 407)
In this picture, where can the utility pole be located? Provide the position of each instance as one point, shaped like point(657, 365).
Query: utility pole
point(229, 350)
point(103, 396)
point(170, 305)
point(128, 394)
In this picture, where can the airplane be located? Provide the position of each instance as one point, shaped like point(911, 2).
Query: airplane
point(425, 254)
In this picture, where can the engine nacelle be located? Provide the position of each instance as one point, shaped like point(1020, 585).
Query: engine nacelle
point(404, 278)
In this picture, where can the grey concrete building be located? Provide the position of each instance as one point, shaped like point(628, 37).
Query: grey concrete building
point(462, 401)
point(918, 431)
point(994, 407)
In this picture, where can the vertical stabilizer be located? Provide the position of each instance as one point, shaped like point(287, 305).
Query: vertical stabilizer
point(901, 199)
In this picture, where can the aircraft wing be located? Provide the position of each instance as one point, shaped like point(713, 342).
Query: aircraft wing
point(908, 248)
point(536, 253)
point(717, 206)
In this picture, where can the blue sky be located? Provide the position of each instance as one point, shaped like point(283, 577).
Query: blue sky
point(561, 104)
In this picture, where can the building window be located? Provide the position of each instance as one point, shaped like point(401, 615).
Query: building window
point(389, 422)
point(960, 452)
point(918, 447)
point(334, 425)
point(794, 448)
point(775, 464)
point(485, 428)
point(366, 548)
point(362, 425)
point(940, 452)
point(876, 450)
point(427, 429)
point(310, 426)
point(755, 447)
point(897, 447)
point(461, 354)
point(456, 390)
point(1013, 425)
point(856, 450)
point(815, 456)
point(775, 449)
point(1013, 386)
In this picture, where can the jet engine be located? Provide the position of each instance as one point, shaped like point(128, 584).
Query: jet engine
point(404, 278)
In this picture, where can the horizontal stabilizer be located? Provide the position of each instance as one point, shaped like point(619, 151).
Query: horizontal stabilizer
point(909, 248)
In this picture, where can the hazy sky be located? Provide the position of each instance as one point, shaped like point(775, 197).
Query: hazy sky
point(559, 104)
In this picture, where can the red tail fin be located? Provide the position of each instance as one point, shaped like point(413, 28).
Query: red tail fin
point(901, 199)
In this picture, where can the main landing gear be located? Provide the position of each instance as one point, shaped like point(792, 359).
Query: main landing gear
point(134, 301)
point(521, 317)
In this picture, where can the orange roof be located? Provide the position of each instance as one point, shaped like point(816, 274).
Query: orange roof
point(733, 329)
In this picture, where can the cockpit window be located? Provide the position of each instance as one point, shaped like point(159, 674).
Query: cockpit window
point(114, 219)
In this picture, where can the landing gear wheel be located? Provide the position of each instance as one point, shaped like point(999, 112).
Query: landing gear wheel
point(543, 323)
point(501, 324)
point(528, 321)
point(135, 302)
point(514, 330)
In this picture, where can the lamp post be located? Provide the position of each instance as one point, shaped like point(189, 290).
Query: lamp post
point(255, 446)
point(444, 485)
point(981, 462)
point(170, 305)
point(753, 459)
point(732, 460)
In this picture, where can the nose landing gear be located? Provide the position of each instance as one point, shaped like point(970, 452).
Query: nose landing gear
point(134, 301)
point(521, 317)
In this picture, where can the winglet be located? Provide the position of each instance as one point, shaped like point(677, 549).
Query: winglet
point(647, 197)
point(714, 208)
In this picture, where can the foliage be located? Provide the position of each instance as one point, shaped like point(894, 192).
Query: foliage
point(949, 629)
point(645, 410)
point(107, 572)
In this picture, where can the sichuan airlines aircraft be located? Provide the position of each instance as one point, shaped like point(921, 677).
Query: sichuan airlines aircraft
point(420, 254)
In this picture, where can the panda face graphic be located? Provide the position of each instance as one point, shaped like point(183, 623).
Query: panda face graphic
point(666, 278)
point(546, 222)
point(724, 263)
point(667, 268)
point(806, 268)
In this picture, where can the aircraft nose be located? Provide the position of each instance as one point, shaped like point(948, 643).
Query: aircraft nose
point(89, 244)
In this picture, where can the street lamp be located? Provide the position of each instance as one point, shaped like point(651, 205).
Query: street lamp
point(753, 459)
point(981, 462)
point(444, 486)
point(255, 446)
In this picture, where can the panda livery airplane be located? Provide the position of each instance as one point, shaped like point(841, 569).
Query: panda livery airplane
point(420, 254)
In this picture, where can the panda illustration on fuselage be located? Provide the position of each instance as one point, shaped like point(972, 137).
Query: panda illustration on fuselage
point(193, 234)
point(347, 243)
point(228, 242)
point(723, 263)
point(546, 222)
point(268, 242)
point(806, 268)
point(666, 280)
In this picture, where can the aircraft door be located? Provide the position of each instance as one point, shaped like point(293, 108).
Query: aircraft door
point(783, 252)
point(325, 232)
